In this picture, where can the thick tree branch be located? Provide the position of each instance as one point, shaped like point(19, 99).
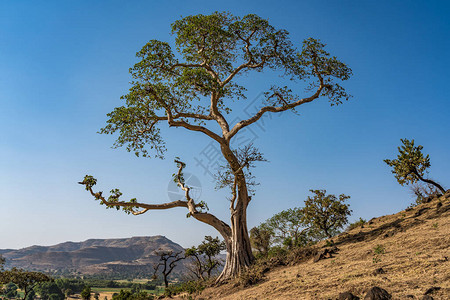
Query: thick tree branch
point(215, 113)
point(274, 109)
point(286, 106)
point(234, 187)
point(207, 218)
point(429, 181)
point(171, 118)
point(146, 207)
point(198, 128)
point(204, 217)
point(247, 64)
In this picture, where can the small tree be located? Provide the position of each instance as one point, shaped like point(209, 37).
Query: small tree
point(204, 256)
point(411, 165)
point(128, 295)
point(168, 260)
point(49, 290)
point(326, 213)
point(25, 280)
point(10, 291)
point(68, 292)
point(31, 295)
point(423, 191)
point(2, 263)
point(288, 227)
point(86, 293)
point(260, 238)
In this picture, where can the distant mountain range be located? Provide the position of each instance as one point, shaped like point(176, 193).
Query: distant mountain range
point(127, 256)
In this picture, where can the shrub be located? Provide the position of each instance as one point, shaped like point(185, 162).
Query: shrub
point(252, 275)
point(277, 252)
point(423, 193)
point(377, 252)
point(356, 224)
point(190, 287)
point(300, 254)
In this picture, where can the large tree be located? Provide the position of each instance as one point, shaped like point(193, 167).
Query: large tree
point(196, 86)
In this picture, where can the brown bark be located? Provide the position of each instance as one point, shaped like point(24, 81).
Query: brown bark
point(239, 250)
point(429, 181)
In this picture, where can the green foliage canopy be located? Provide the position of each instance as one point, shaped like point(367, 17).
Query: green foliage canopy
point(204, 256)
point(213, 50)
point(25, 280)
point(288, 227)
point(129, 295)
point(326, 212)
point(86, 293)
point(261, 238)
point(411, 164)
point(9, 291)
point(49, 291)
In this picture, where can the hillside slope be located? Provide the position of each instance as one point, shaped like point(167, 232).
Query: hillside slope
point(413, 249)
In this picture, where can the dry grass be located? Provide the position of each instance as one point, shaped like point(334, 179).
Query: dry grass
point(416, 257)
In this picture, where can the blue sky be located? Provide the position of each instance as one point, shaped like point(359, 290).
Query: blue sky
point(64, 65)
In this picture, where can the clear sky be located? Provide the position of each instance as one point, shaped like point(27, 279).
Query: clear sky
point(64, 65)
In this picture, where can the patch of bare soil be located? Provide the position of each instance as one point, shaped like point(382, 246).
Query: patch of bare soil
point(407, 254)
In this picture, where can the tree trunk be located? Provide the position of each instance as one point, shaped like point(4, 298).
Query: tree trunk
point(239, 251)
point(429, 181)
point(166, 282)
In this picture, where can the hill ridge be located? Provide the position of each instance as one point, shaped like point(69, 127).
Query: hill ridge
point(92, 256)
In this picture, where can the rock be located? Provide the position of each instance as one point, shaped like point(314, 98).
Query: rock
point(377, 293)
point(431, 290)
point(421, 211)
point(326, 253)
point(379, 271)
point(347, 296)
point(389, 234)
point(410, 296)
point(427, 297)
point(318, 256)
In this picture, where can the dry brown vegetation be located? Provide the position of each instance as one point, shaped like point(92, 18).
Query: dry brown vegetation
point(412, 248)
